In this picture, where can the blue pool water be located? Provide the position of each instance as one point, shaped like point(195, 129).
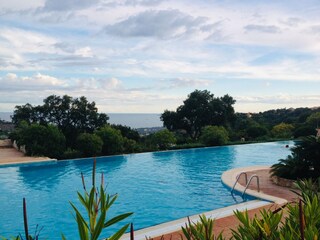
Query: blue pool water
point(157, 187)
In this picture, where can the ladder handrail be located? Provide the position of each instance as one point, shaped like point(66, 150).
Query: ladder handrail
point(258, 183)
point(238, 177)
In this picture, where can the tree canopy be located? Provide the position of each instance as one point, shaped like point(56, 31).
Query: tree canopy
point(200, 109)
point(71, 115)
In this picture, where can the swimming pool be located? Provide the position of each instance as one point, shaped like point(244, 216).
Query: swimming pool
point(157, 187)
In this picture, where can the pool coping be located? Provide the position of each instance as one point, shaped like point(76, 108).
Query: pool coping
point(173, 226)
point(28, 162)
point(228, 178)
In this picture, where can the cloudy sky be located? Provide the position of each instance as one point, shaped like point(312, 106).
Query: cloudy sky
point(148, 55)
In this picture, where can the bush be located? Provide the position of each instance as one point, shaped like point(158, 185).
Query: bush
point(214, 136)
point(303, 161)
point(304, 131)
point(163, 139)
point(282, 130)
point(89, 144)
point(257, 131)
point(71, 154)
point(41, 140)
point(112, 140)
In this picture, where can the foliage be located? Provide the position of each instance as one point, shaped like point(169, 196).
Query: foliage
point(130, 146)
point(71, 154)
point(256, 131)
point(303, 131)
point(314, 120)
point(71, 115)
point(291, 116)
point(89, 144)
point(127, 132)
point(282, 130)
point(303, 161)
point(266, 227)
point(188, 145)
point(97, 204)
point(202, 230)
point(200, 109)
point(163, 139)
point(300, 222)
point(112, 140)
point(214, 136)
point(40, 140)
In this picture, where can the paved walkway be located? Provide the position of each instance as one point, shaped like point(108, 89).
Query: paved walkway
point(280, 195)
point(10, 155)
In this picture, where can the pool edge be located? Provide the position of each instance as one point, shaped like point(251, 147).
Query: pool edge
point(229, 178)
point(173, 226)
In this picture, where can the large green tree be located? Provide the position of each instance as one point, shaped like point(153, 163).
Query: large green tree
point(71, 115)
point(200, 109)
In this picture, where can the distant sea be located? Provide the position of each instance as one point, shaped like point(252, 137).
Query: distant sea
point(133, 120)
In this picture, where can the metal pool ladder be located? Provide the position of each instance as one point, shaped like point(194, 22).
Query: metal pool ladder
point(258, 183)
point(238, 177)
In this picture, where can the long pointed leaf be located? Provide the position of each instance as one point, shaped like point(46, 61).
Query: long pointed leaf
point(99, 226)
point(118, 234)
point(117, 219)
point(79, 214)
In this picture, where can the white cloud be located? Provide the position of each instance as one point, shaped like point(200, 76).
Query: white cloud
point(163, 24)
point(84, 52)
point(187, 82)
point(67, 5)
point(262, 28)
point(18, 5)
point(37, 82)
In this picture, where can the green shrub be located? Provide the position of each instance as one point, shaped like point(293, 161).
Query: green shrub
point(163, 139)
point(71, 154)
point(112, 140)
point(303, 161)
point(89, 144)
point(214, 136)
point(41, 140)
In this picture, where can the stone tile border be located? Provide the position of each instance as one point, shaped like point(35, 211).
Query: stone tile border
point(229, 177)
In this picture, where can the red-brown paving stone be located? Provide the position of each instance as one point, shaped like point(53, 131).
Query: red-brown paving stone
point(231, 222)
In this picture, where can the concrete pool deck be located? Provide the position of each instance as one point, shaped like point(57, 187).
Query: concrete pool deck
point(11, 156)
point(224, 217)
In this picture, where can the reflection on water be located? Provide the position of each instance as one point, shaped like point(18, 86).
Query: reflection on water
point(42, 176)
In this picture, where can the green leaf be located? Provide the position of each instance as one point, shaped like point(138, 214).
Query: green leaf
point(78, 214)
point(63, 237)
point(118, 234)
point(117, 219)
point(99, 226)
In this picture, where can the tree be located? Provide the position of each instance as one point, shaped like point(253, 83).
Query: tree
point(71, 115)
point(127, 132)
point(163, 139)
point(41, 140)
point(112, 140)
point(200, 109)
point(314, 120)
point(282, 130)
point(89, 144)
point(256, 131)
point(304, 131)
point(214, 135)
